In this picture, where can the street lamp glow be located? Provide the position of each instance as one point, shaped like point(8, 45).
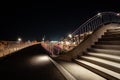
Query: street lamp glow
point(74, 43)
point(118, 14)
point(43, 39)
point(67, 43)
point(99, 14)
point(70, 35)
point(62, 42)
point(19, 39)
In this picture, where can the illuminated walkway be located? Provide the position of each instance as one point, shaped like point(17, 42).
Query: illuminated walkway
point(29, 64)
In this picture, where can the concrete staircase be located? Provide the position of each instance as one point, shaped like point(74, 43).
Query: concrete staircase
point(103, 58)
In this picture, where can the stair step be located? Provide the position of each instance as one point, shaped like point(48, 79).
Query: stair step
point(110, 75)
point(108, 42)
point(110, 38)
point(115, 47)
point(107, 51)
point(102, 62)
point(105, 56)
point(111, 35)
point(113, 30)
point(79, 72)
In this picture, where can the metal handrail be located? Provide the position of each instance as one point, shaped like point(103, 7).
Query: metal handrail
point(96, 21)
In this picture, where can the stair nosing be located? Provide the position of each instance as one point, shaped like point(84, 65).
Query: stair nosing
point(117, 65)
point(103, 69)
point(104, 55)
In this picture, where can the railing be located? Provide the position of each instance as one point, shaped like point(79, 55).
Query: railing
point(84, 30)
point(10, 48)
point(52, 48)
point(87, 28)
point(98, 20)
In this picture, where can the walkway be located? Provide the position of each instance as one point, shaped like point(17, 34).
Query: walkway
point(29, 64)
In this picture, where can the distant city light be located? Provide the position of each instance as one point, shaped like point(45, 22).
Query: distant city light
point(54, 41)
point(43, 39)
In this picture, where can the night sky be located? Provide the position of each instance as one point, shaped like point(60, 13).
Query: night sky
point(32, 20)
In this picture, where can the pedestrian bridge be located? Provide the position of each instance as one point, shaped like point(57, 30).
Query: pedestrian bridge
point(93, 54)
point(97, 46)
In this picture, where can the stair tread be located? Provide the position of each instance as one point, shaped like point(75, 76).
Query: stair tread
point(113, 52)
point(113, 32)
point(107, 45)
point(107, 71)
point(116, 28)
point(111, 37)
point(79, 72)
point(118, 51)
point(117, 65)
point(111, 41)
point(105, 55)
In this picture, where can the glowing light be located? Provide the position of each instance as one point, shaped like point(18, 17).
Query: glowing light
point(62, 42)
point(43, 39)
point(118, 14)
point(54, 41)
point(70, 35)
point(39, 60)
point(43, 58)
point(99, 14)
point(74, 43)
point(67, 43)
point(19, 39)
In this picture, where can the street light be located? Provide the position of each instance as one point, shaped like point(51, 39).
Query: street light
point(99, 14)
point(43, 39)
point(62, 42)
point(70, 35)
point(118, 14)
point(67, 43)
point(19, 39)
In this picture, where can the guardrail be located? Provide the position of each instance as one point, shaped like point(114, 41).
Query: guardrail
point(52, 48)
point(98, 20)
point(87, 28)
point(9, 49)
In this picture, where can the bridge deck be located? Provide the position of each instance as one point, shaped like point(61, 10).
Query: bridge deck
point(29, 64)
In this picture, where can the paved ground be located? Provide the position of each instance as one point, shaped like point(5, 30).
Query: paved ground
point(29, 64)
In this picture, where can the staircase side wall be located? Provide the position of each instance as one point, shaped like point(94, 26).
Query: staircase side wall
point(87, 43)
